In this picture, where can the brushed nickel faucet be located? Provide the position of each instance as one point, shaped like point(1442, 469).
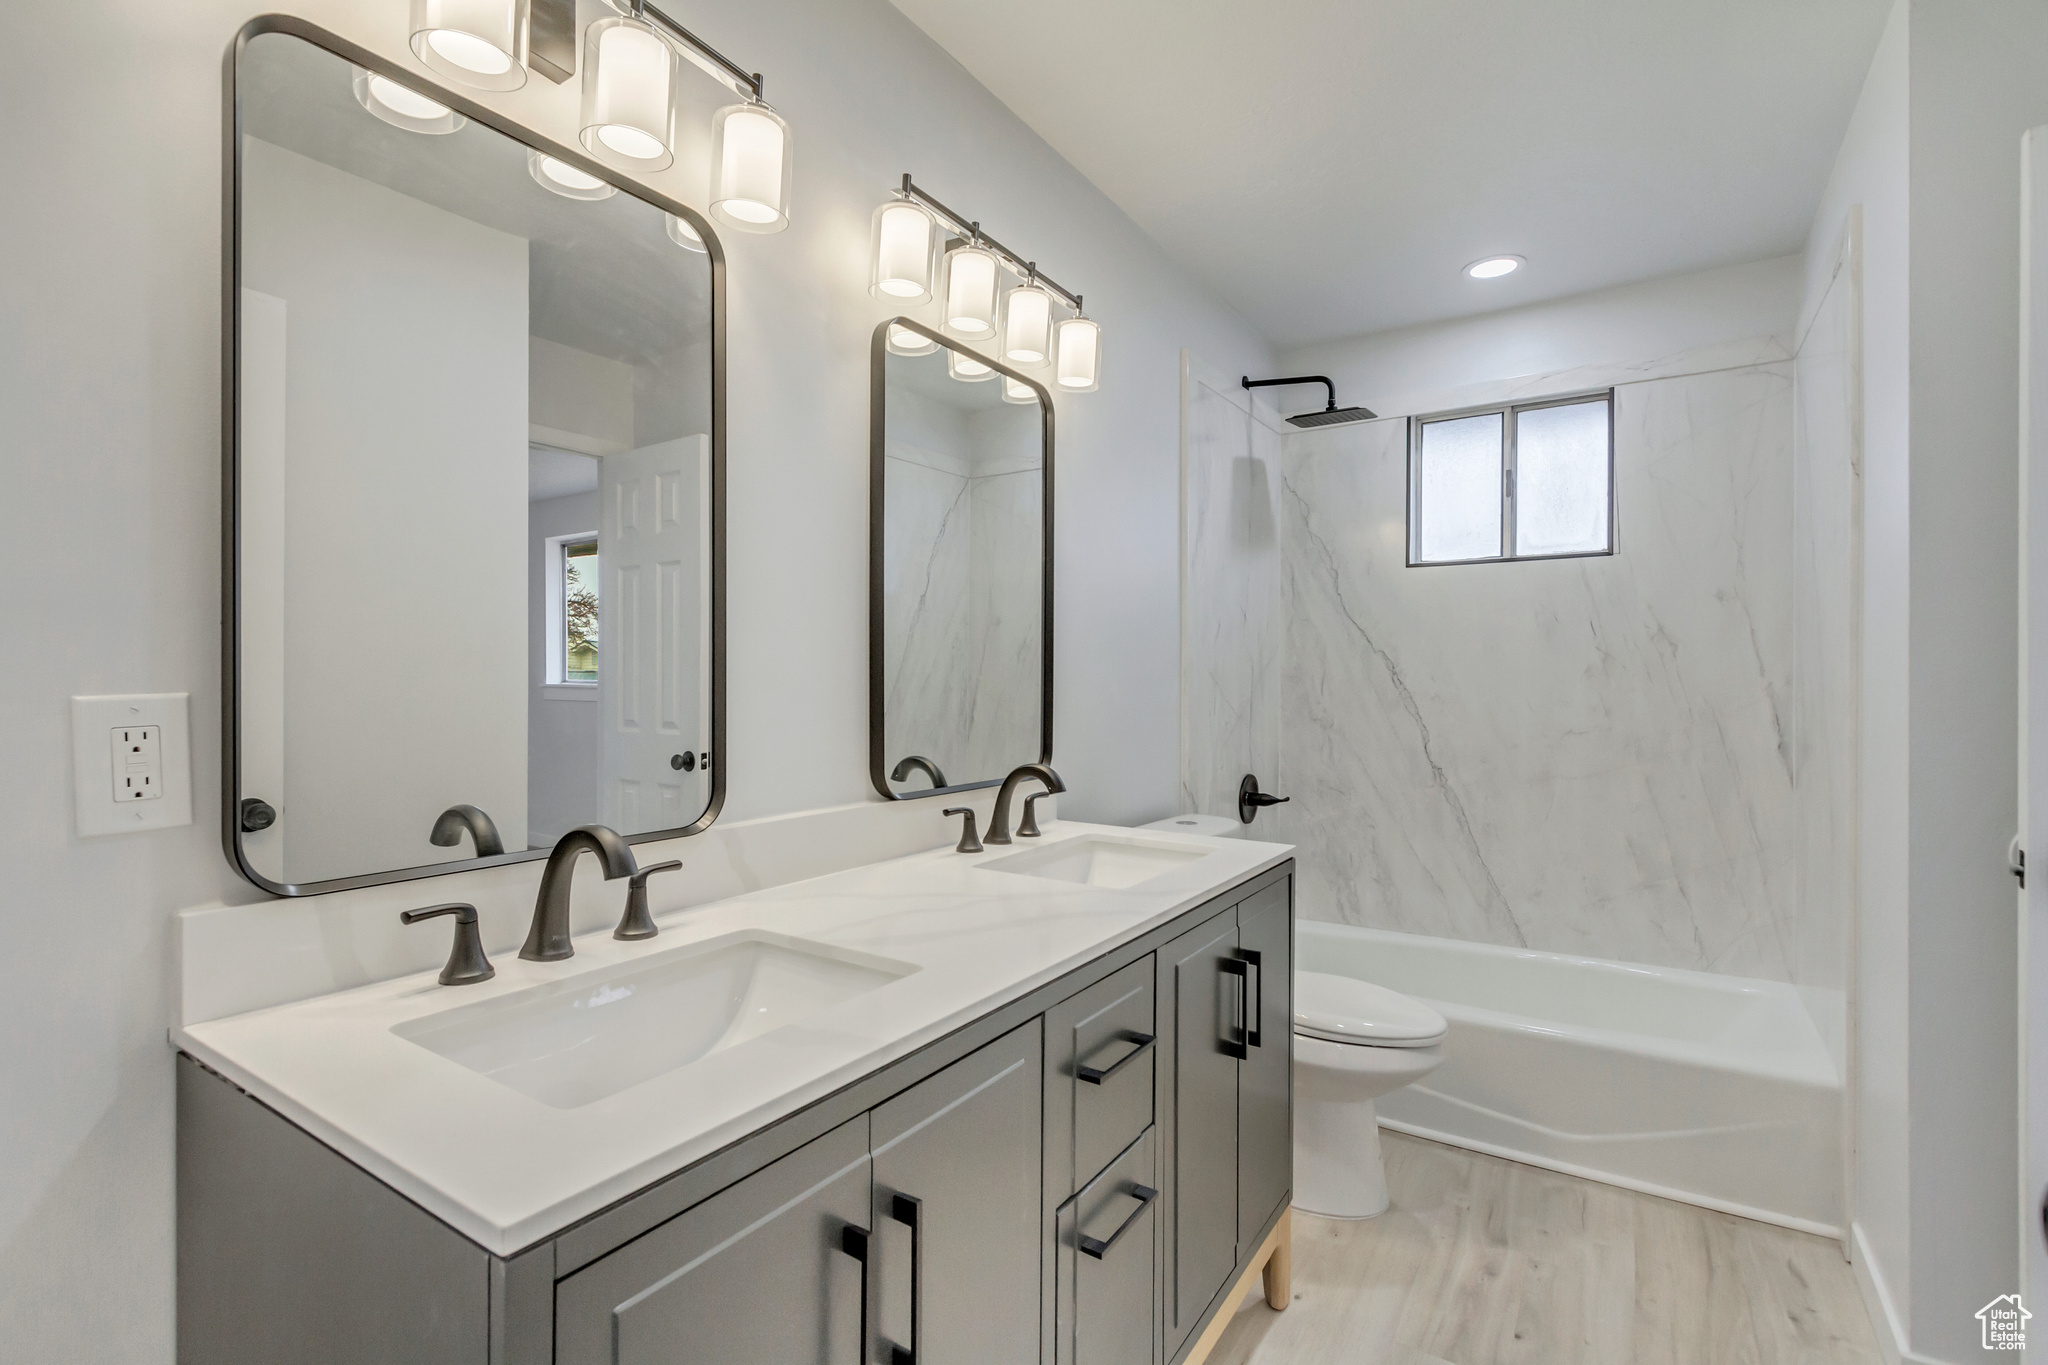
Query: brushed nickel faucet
point(999, 818)
point(548, 938)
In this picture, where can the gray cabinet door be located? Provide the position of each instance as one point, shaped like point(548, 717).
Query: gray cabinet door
point(758, 1274)
point(1265, 1080)
point(1201, 1240)
point(1108, 1257)
point(955, 1255)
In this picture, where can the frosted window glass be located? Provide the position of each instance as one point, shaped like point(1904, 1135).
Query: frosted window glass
point(1458, 490)
point(1561, 473)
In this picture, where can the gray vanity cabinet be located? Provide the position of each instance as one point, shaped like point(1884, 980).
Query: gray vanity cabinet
point(1265, 1077)
point(1073, 1178)
point(757, 1273)
point(1201, 1099)
point(956, 1242)
point(1226, 1086)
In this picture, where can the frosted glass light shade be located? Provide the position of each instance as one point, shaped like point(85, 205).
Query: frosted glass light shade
point(902, 341)
point(1027, 326)
point(403, 107)
point(684, 234)
point(1079, 351)
point(970, 295)
point(552, 173)
point(629, 94)
point(476, 42)
point(904, 235)
point(1017, 391)
point(750, 168)
point(966, 368)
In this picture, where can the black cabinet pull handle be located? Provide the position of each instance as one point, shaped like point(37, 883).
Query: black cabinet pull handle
point(854, 1242)
point(1097, 1075)
point(1095, 1247)
point(1257, 1009)
point(909, 1211)
point(1234, 1046)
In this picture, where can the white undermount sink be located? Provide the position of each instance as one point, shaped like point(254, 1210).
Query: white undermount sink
point(575, 1041)
point(1098, 860)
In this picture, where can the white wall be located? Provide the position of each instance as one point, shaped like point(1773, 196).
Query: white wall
point(1436, 366)
point(111, 383)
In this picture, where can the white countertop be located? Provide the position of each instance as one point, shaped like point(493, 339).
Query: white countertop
point(508, 1171)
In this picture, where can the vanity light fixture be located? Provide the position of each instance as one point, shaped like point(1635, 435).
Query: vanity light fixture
point(552, 173)
point(1493, 267)
point(1079, 350)
point(1027, 324)
point(905, 233)
point(750, 167)
point(403, 107)
point(1017, 391)
point(684, 234)
point(903, 341)
point(972, 276)
point(972, 301)
point(475, 42)
point(966, 368)
point(629, 93)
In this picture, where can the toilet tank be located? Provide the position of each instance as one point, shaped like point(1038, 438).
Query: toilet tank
point(1213, 826)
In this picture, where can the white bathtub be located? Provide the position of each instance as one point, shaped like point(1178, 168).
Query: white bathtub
point(1716, 1090)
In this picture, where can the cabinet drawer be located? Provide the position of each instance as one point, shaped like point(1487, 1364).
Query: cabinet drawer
point(1099, 1058)
point(1108, 1312)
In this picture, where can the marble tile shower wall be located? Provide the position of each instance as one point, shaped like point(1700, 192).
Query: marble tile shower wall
point(1590, 756)
point(1232, 632)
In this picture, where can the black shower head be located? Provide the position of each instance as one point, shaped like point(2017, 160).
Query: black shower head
point(1330, 416)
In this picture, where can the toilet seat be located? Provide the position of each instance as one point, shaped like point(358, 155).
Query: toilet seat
point(1343, 1009)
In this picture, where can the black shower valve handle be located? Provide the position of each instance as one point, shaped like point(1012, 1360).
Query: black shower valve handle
point(1250, 800)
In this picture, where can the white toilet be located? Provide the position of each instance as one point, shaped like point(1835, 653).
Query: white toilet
point(1353, 1042)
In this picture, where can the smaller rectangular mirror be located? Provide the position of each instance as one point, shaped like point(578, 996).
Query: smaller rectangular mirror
point(959, 566)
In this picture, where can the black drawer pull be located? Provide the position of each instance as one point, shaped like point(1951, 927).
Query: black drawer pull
point(1096, 1075)
point(909, 1211)
point(854, 1242)
point(1256, 1008)
point(1241, 1007)
point(1091, 1246)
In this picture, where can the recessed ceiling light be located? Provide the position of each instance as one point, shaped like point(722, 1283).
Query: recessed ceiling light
point(1493, 267)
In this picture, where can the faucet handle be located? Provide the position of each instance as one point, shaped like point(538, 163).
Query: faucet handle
point(970, 842)
point(1027, 828)
point(637, 922)
point(467, 964)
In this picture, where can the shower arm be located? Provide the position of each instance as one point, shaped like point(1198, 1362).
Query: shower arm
point(1322, 379)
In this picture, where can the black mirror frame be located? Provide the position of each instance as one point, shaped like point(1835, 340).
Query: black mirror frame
point(231, 279)
point(878, 432)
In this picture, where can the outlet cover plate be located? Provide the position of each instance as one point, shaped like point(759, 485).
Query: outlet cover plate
point(93, 721)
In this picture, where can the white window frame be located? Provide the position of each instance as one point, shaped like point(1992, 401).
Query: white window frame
point(558, 686)
point(1509, 412)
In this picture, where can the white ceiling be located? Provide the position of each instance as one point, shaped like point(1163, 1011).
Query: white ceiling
point(1330, 166)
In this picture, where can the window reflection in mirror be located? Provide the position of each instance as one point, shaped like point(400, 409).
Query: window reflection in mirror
point(474, 484)
point(962, 573)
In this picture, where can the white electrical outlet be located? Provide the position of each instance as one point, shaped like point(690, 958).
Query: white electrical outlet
point(138, 762)
point(132, 762)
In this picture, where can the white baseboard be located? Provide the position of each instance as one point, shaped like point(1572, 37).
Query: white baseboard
point(1877, 1300)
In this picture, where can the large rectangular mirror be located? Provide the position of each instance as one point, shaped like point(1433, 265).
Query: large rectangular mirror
point(960, 566)
point(475, 482)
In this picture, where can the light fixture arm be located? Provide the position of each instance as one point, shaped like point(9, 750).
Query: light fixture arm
point(972, 232)
point(706, 57)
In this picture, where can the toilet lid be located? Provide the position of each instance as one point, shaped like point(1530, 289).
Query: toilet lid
point(1344, 1009)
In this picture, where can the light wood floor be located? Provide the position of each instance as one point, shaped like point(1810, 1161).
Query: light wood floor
point(1488, 1262)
